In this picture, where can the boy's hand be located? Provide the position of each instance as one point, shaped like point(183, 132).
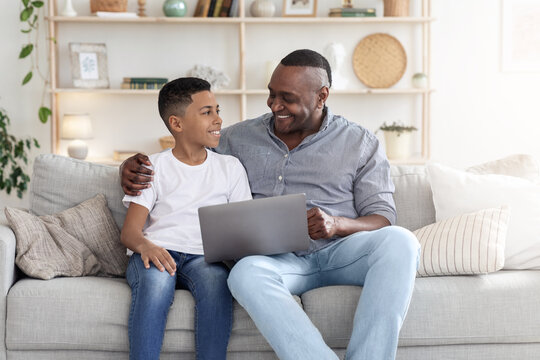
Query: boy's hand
point(159, 257)
point(135, 176)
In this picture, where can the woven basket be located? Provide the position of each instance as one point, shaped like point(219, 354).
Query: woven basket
point(379, 60)
point(396, 7)
point(166, 142)
point(108, 5)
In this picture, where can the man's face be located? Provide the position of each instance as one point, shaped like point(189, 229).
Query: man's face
point(295, 99)
point(201, 121)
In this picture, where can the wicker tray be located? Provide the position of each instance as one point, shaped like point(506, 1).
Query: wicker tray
point(108, 5)
point(379, 60)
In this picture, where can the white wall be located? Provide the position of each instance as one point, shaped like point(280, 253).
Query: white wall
point(479, 113)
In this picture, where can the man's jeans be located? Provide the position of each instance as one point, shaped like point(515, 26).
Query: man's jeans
point(384, 262)
point(152, 293)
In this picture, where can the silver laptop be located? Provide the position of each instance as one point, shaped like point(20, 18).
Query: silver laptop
point(266, 226)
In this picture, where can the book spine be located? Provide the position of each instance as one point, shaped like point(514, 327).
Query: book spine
point(225, 8)
point(217, 9)
point(234, 9)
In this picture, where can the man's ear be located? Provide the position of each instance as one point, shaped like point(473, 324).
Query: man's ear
point(175, 123)
point(322, 96)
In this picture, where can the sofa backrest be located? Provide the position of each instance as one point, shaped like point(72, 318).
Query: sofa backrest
point(59, 182)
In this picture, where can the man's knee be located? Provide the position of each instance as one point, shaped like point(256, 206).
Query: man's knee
point(246, 275)
point(401, 242)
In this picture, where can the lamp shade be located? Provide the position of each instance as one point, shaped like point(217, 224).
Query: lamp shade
point(76, 126)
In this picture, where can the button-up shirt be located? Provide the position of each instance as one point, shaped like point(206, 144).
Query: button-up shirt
point(342, 168)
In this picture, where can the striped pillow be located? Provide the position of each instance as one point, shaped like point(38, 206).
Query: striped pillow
point(464, 245)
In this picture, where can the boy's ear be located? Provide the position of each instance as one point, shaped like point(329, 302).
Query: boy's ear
point(175, 123)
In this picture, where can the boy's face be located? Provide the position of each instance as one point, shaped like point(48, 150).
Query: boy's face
point(201, 123)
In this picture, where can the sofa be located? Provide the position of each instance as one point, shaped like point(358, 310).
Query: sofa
point(493, 316)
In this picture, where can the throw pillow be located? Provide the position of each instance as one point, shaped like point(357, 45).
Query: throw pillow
point(464, 245)
point(82, 240)
point(519, 165)
point(458, 192)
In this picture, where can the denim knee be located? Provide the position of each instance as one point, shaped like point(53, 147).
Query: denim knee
point(401, 242)
point(151, 283)
point(245, 276)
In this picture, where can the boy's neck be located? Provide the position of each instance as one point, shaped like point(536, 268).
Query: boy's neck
point(190, 156)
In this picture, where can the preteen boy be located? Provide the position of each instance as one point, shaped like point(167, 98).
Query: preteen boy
point(162, 227)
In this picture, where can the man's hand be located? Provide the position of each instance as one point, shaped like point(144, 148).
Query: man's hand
point(135, 176)
point(159, 257)
point(320, 224)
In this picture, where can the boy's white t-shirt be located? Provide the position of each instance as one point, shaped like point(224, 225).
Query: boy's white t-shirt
point(177, 192)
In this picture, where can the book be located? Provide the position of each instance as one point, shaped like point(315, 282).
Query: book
point(225, 7)
point(233, 12)
point(145, 79)
point(217, 9)
point(141, 86)
point(211, 8)
point(202, 8)
point(352, 12)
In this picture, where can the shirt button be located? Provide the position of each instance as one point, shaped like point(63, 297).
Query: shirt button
point(280, 177)
point(286, 155)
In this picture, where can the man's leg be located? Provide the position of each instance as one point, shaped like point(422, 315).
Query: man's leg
point(384, 262)
point(263, 286)
point(213, 305)
point(152, 293)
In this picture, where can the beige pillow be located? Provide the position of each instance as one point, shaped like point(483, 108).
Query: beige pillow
point(468, 244)
point(519, 165)
point(82, 240)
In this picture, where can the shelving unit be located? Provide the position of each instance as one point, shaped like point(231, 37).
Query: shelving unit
point(242, 23)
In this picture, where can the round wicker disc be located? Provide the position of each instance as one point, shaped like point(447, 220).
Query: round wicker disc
point(379, 60)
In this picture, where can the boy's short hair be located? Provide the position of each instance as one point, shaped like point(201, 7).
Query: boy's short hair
point(175, 96)
point(306, 57)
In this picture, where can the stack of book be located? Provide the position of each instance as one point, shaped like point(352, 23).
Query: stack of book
point(351, 12)
point(145, 83)
point(216, 8)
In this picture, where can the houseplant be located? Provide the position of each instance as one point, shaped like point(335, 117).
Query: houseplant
point(397, 137)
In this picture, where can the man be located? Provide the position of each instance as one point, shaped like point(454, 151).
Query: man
point(301, 146)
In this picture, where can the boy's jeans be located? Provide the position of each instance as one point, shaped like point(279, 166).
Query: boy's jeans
point(152, 293)
point(384, 262)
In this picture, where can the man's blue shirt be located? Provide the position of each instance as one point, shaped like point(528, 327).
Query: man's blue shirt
point(342, 168)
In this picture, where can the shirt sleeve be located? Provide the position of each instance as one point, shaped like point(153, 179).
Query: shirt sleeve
point(239, 184)
point(147, 198)
point(373, 187)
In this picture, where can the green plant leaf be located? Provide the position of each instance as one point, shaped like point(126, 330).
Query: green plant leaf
point(26, 31)
point(37, 4)
point(44, 113)
point(25, 51)
point(36, 144)
point(26, 13)
point(27, 78)
point(25, 2)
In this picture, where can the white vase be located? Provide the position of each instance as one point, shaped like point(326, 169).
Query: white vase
point(68, 9)
point(398, 146)
point(262, 8)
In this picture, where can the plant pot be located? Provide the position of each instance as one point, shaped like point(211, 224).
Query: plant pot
point(398, 146)
point(396, 7)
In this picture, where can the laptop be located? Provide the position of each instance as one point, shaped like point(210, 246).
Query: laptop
point(268, 226)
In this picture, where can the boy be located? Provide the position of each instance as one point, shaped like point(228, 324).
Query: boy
point(162, 227)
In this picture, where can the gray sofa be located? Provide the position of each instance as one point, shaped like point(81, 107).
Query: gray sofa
point(494, 316)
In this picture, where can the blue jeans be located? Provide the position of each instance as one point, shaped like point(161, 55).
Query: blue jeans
point(384, 262)
point(152, 293)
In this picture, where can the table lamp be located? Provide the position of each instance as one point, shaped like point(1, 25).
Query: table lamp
point(77, 127)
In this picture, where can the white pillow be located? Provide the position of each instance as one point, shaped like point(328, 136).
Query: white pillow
point(457, 192)
point(520, 165)
point(464, 245)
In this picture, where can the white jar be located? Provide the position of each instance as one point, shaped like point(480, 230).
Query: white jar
point(262, 8)
point(419, 81)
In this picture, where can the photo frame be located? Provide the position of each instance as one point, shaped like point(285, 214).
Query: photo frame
point(89, 65)
point(519, 50)
point(299, 7)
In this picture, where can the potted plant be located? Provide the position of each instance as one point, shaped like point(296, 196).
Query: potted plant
point(397, 138)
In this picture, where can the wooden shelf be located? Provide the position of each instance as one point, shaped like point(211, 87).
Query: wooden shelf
point(240, 92)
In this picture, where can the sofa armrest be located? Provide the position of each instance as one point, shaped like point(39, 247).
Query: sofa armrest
point(7, 259)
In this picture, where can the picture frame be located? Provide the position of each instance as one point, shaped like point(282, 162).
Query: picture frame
point(300, 8)
point(519, 50)
point(89, 65)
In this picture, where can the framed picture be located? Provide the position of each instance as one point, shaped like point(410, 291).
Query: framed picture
point(299, 7)
point(520, 36)
point(89, 65)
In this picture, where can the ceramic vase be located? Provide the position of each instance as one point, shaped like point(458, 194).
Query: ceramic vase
point(262, 8)
point(174, 8)
point(398, 146)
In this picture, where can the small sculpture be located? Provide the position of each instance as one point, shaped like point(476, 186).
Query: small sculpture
point(335, 54)
point(216, 78)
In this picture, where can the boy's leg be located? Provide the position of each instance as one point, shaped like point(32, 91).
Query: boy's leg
point(213, 305)
point(152, 293)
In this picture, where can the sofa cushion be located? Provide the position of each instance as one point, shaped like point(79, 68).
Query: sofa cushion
point(83, 240)
point(463, 245)
point(413, 197)
point(502, 307)
point(59, 183)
